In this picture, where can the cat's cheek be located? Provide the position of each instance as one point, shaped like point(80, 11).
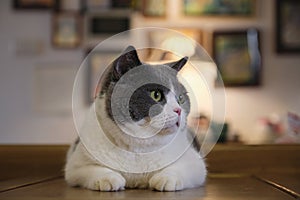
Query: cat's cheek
point(169, 131)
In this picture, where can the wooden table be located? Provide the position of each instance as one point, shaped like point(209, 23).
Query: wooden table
point(236, 172)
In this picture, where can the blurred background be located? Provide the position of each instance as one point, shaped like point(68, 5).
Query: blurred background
point(255, 44)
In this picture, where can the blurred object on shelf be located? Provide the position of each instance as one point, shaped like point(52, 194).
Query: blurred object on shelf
point(67, 30)
point(201, 123)
point(268, 129)
point(209, 130)
point(221, 137)
point(292, 135)
point(294, 122)
point(278, 130)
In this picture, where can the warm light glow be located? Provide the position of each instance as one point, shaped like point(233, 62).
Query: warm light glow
point(180, 45)
point(199, 77)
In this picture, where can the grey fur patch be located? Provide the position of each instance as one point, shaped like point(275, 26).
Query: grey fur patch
point(140, 101)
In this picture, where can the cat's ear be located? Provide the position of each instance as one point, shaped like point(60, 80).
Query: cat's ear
point(128, 60)
point(177, 65)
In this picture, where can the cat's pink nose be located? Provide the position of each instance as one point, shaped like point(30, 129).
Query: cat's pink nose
point(178, 111)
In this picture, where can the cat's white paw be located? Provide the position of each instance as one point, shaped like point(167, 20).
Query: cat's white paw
point(111, 181)
point(166, 182)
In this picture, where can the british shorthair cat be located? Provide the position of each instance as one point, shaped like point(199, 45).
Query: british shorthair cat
point(157, 111)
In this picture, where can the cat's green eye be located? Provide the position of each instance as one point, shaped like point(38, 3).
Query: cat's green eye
point(181, 99)
point(156, 95)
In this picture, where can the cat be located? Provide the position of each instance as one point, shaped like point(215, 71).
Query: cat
point(145, 130)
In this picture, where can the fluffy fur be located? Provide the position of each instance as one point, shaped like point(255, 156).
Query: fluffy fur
point(186, 172)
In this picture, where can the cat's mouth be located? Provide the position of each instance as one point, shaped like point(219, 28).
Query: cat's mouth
point(167, 126)
point(169, 130)
point(175, 122)
point(171, 127)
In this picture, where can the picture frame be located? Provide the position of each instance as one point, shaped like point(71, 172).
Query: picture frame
point(95, 5)
point(34, 4)
point(121, 4)
point(66, 30)
point(287, 26)
point(96, 61)
point(154, 8)
point(69, 6)
point(246, 8)
point(238, 58)
point(106, 23)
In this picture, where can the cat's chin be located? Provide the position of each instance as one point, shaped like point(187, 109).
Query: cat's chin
point(169, 130)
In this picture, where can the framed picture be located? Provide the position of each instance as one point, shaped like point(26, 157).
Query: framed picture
point(95, 5)
point(106, 23)
point(288, 26)
point(237, 55)
point(121, 3)
point(34, 4)
point(154, 8)
point(66, 30)
point(69, 5)
point(220, 7)
point(96, 61)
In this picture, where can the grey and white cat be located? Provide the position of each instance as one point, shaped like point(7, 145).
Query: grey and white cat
point(173, 105)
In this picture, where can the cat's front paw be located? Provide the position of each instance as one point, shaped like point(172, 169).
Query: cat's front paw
point(166, 182)
point(111, 181)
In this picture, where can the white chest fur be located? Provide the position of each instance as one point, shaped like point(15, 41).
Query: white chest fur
point(174, 168)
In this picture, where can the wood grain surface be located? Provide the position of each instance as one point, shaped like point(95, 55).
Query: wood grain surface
point(236, 172)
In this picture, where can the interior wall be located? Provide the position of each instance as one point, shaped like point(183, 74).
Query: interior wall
point(20, 122)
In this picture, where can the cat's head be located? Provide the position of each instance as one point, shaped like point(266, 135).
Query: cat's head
point(146, 99)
